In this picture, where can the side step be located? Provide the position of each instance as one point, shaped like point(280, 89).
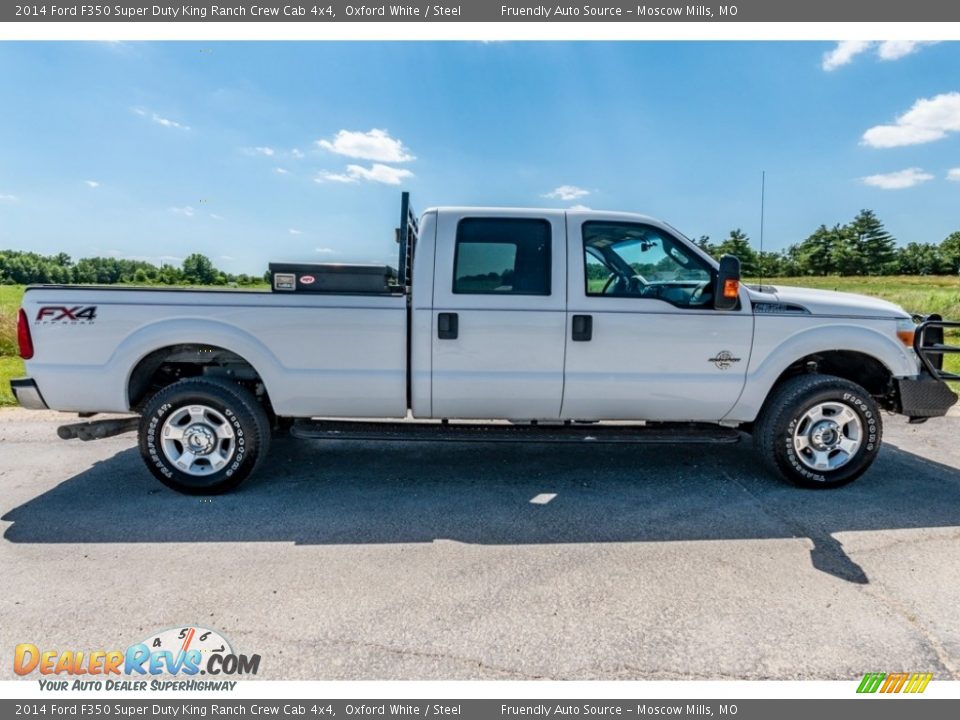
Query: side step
point(664, 433)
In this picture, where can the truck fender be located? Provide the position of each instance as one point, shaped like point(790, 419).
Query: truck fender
point(766, 368)
point(180, 331)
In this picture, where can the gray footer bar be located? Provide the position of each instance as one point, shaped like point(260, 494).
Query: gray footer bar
point(874, 707)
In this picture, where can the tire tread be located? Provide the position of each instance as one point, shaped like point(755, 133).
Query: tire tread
point(781, 403)
point(244, 401)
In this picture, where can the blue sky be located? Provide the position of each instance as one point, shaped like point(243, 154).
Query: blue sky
point(255, 151)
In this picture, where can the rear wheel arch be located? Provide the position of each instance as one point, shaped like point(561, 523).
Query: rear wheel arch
point(166, 365)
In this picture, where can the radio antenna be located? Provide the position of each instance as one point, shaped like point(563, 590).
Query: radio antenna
point(763, 188)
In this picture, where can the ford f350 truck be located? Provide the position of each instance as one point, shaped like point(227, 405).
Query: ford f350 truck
point(571, 325)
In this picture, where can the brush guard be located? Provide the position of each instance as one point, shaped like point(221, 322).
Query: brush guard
point(929, 395)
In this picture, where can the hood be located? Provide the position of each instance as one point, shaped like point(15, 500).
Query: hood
point(824, 302)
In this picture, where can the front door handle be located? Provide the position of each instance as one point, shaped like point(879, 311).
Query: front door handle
point(582, 328)
point(448, 326)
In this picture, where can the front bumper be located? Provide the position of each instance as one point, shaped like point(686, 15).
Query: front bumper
point(924, 396)
point(27, 393)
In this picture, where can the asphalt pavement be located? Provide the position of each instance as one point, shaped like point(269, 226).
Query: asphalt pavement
point(360, 560)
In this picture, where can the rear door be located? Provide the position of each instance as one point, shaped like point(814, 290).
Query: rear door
point(499, 315)
point(656, 348)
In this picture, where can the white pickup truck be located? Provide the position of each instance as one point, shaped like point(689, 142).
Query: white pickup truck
point(571, 325)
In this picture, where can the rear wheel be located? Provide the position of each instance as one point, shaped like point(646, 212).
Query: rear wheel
point(819, 431)
point(203, 436)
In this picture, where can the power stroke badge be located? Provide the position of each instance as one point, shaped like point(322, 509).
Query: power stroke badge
point(724, 359)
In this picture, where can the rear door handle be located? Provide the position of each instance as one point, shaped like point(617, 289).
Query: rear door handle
point(582, 328)
point(448, 326)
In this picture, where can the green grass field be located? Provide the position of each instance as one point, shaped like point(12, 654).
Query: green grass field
point(10, 365)
point(939, 294)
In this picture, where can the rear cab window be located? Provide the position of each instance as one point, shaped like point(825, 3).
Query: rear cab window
point(502, 256)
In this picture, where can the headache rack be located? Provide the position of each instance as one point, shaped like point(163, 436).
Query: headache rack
point(407, 235)
point(930, 346)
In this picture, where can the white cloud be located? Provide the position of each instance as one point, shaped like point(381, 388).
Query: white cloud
point(844, 53)
point(376, 145)
point(216, 217)
point(327, 176)
point(375, 173)
point(186, 211)
point(928, 120)
point(228, 258)
point(91, 183)
point(171, 258)
point(297, 153)
point(160, 120)
point(896, 49)
point(294, 231)
point(379, 173)
point(167, 122)
point(8, 198)
point(260, 150)
point(325, 251)
point(898, 180)
point(578, 207)
point(953, 174)
point(567, 192)
point(281, 171)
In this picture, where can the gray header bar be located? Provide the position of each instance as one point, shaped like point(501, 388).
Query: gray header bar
point(626, 11)
point(852, 709)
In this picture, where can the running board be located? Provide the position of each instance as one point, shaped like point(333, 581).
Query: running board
point(663, 433)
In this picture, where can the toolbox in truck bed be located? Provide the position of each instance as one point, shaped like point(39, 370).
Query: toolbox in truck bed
point(332, 278)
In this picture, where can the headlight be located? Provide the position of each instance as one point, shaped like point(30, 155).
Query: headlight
point(906, 328)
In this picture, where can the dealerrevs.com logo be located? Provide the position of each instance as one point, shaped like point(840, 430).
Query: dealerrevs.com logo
point(155, 664)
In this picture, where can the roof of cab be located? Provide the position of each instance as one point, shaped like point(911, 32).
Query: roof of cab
point(544, 212)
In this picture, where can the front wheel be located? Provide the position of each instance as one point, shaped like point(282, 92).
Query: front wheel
point(819, 431)
point(203, 436)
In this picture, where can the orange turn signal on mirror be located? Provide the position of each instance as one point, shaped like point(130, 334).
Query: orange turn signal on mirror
point(731, 288)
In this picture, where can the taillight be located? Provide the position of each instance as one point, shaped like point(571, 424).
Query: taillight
point(23, 336)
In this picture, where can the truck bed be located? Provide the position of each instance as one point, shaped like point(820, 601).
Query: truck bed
point(318, 353)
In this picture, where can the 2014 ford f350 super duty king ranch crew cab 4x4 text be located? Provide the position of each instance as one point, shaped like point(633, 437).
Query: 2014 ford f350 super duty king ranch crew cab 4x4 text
point(571, 324)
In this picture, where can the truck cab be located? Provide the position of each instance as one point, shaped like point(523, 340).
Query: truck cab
point(555, 315)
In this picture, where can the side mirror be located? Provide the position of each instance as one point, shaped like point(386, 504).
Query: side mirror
point(726, 292)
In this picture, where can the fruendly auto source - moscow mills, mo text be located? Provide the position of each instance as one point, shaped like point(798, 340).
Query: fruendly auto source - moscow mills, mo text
point(545, 12)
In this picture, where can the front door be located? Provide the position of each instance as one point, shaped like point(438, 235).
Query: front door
point(499, 315)
point(657, 349)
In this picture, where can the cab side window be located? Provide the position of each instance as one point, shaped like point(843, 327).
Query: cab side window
point(642, 261)
point(502, 256)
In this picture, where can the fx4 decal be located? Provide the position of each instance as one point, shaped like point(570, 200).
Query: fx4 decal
point(63, 314)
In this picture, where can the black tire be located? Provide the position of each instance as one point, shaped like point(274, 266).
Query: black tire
point(783, 415)
point(226, 405)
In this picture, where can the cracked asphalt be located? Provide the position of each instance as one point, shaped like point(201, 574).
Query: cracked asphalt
point(428, 561)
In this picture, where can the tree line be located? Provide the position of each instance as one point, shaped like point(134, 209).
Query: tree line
point(861, 247)
point(24, 268)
